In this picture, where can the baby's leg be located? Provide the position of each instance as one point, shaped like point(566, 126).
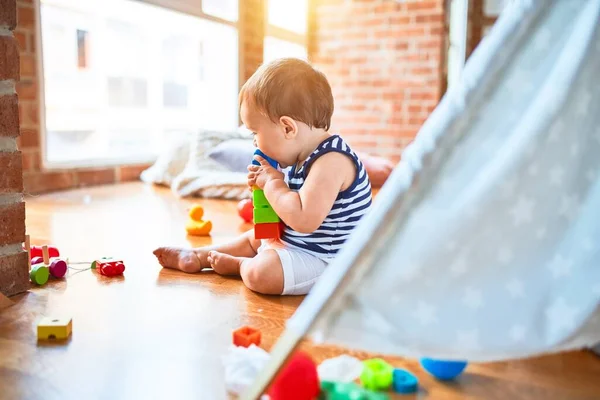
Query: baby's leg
point(273, 271)
point(263, 273)
point(195, 260)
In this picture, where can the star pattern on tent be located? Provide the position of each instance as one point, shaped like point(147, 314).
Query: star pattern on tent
point(588, 244)
point(533, 169)
point(583, 103)
point(522, 211)
point(557, 174)
point(425, 313)
point(459, 266)
point(505, 255)
point(569, 206)
point(515, 288)
point(561, 316)
point(473, 298)
point(540, 233)
point(468, 339)
point(517, 333)
point(556, 131)
point(575, 149)
point(591, 175)
point(560, 266)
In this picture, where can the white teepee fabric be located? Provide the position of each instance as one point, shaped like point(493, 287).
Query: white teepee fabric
point(484, 244)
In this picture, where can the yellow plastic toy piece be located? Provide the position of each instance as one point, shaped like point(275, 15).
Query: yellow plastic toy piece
point(54, 328)
point(196, 226)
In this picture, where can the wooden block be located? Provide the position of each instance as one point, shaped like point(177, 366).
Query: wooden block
point(54, 328)
point(265, 215)
point(268, 231)
point(259, 200)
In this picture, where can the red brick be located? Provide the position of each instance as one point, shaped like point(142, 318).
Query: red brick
point(25, 17)
point(27, 90)
point(11, 178)
point(9, 116)
point(21, 40)
point(14, 273)
point(96, 176)
point(9, 58)
point(27, 65)
point(29, 114)
point(31, 161)
point(8, 13)
point(12, 221)
point(39, 182)
point(29, 138)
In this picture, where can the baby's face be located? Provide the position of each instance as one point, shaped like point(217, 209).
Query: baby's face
point(268, 136)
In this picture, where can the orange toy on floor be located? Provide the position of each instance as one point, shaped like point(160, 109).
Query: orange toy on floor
point(196, 226)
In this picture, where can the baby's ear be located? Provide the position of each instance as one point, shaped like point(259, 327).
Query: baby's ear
point(290, 127)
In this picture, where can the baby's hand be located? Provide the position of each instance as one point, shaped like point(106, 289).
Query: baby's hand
point(260, 175)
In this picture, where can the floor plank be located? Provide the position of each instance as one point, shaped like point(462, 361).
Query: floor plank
point(157, 333)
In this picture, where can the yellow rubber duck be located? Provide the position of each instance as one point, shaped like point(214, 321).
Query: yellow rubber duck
point(196, 226)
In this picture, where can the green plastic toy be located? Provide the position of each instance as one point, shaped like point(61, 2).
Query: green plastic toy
point(348, 391)
point(377, 374)
point(39, 274)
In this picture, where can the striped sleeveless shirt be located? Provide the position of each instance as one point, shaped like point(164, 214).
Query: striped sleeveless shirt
point(349, 207)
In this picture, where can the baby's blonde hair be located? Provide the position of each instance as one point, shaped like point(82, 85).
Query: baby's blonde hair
point(290, 87)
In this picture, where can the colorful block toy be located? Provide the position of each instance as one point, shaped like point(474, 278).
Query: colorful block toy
point(266, 221)
point(297, 380)
point(377, 374)
point(348, 391)
point(245, 336)
point(443, 370)
point(268, 231)
point(54, 328)
point(404, 381)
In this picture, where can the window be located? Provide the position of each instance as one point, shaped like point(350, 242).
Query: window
point(286, 29)
point(120, 76)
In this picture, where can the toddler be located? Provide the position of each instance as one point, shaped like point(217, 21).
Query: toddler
point(288, 105)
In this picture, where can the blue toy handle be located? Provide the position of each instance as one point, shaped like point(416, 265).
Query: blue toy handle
point(263, 155)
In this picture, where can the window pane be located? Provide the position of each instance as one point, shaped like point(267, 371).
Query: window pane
point(226, 9)
point(290, 15)
point(115, 86)
point(277, 48)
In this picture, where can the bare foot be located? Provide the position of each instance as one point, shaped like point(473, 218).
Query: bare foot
point(186, 260)
point(224, 264)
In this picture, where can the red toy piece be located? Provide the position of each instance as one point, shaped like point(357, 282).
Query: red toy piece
point(245, 336)
point(268, 231)
point(298, 380)
point(246, 210)
point(109, 267)
point(36, 251)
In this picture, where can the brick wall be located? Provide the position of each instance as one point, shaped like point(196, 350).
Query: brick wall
point(36, 179)
point(13, 260)
point(385, 62)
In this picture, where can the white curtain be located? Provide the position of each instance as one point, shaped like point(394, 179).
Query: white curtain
point(484, 244)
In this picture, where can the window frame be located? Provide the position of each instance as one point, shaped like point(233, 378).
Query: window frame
point(189, 7)
point(286, 34)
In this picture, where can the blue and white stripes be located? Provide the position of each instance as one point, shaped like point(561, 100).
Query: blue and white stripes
point(349, 207)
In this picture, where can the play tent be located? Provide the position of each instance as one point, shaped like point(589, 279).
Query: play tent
point(484, 244)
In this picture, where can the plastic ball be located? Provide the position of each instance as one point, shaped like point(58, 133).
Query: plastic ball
point(246, 210)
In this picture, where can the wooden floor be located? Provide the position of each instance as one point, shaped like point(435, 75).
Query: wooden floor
point(160, 334)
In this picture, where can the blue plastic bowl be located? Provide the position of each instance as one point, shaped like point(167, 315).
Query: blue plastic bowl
point(443, 370)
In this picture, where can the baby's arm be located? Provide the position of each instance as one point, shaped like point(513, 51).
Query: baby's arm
point(305, 210)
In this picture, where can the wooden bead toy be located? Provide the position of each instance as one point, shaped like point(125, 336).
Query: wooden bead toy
point(245, 336)
point(54, 328)
point(39, 274)
point(58, 268)
point(377, 374)
point(108, 267)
